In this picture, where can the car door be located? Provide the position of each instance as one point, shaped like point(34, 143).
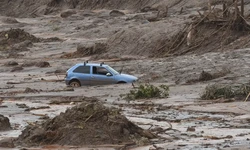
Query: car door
point(99, 76)
point(82, 73)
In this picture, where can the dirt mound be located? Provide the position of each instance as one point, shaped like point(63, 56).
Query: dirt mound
point(88, 49)
point(85, 124)
point(17, 35)
point(13, 41)
point(16, 39)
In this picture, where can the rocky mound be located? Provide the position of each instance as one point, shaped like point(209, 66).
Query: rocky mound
point(85, 124)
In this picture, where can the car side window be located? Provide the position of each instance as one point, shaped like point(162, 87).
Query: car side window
point(100, 70)
point(82, 69)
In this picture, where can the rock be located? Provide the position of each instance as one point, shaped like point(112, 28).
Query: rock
point(152, 17)
point(4, 123)
point(29, 90)
point(22, 105)
point(11, 63)
point(191, 129)
point(18, 68)
point(7, 143)
point(67, 13)
point(42, 64)
point(148, 8)
point(116, 13)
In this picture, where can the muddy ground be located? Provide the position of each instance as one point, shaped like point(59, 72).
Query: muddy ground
point(39, 43)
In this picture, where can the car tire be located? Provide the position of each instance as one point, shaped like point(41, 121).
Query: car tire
point(74, 83)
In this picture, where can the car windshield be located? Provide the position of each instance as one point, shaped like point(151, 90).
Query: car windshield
point(113, 71)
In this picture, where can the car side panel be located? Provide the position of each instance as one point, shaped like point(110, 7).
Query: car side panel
point(97, 79)
point(84, 78)
point(101, 79)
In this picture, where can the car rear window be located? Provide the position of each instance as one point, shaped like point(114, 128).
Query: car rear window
point(82, 69)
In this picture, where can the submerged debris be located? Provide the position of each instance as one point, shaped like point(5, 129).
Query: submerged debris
point(4, 123)
point(148, 91)
point(216, 91)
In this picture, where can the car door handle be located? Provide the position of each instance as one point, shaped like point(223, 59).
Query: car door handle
point(92, 77)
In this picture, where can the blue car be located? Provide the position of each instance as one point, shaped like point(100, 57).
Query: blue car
point(95, 74)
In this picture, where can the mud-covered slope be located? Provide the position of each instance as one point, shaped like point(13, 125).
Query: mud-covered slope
point(144, 40)
point(21, 8)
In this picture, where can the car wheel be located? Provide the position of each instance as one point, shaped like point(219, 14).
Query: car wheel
point(75, 83)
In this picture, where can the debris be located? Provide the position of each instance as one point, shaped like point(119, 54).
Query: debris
point(218, 138)
point(37, 108)
point(8, 87)
point(9, 20)
point(191, 129)
point(116, 13)
point(147, 91)
point(68, 89)
point(88, 49)
point(206, 76)
point(29, 90)
point(42, 64)
point(22, 46)
point(4, 123)
point(87, 123)
point(22, 105)
point(69, 99)
point(18, 68)
point(13, 82)
point(67, 13)
point(7, 143)
point(11, 63)
point(217, 91)
point(28, 64)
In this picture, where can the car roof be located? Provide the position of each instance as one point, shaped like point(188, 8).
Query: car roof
point(91, 64)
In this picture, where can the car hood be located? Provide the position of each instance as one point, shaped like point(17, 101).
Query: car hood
point(127, 77)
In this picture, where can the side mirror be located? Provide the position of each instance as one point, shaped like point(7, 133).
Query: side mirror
point(108, 74)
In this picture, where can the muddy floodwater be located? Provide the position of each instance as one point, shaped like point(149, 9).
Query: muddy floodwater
point(39, 45)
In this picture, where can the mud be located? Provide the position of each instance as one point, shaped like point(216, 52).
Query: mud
point(85, 124)
point(141, 39)
point(5, 123)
